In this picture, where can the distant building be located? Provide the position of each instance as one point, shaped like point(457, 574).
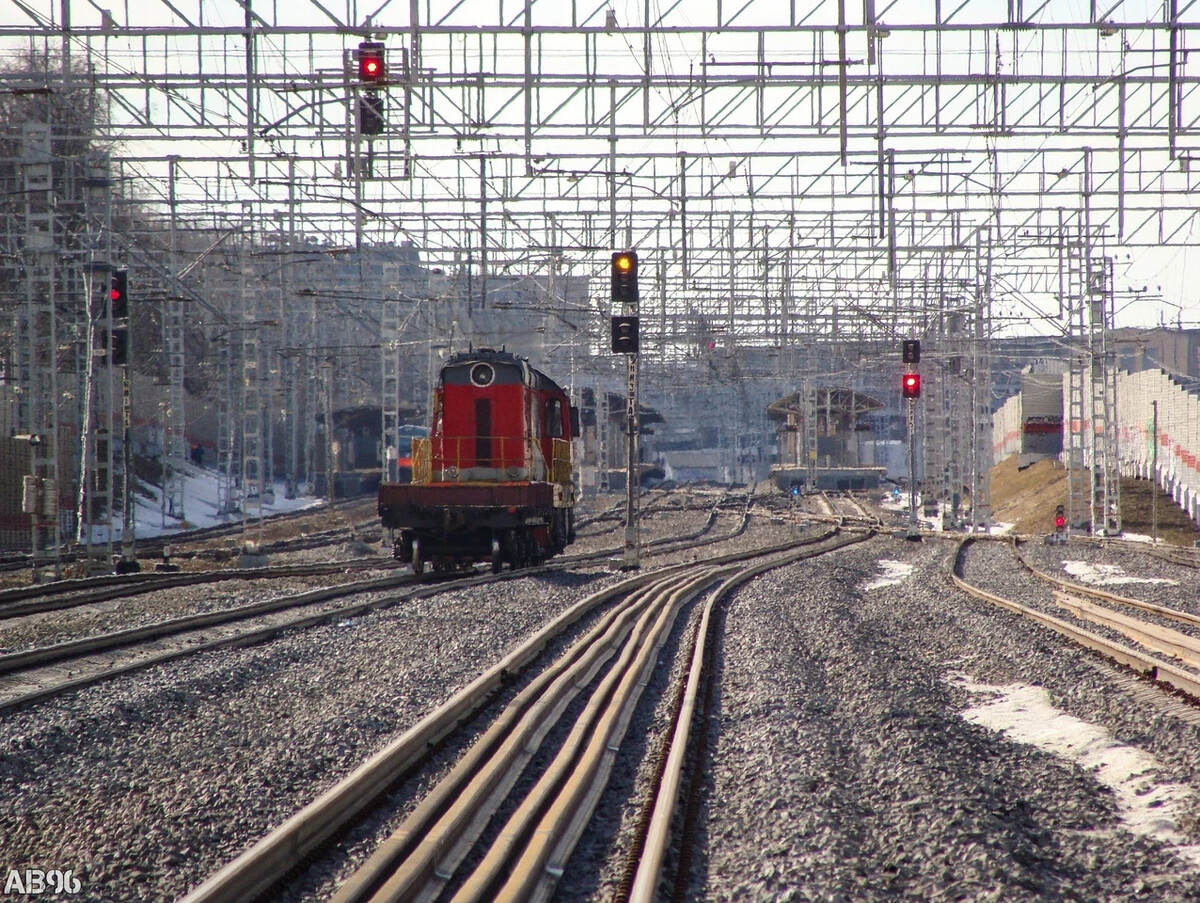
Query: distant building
point(1177, 351)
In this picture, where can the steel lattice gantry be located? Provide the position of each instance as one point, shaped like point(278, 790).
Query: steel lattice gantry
point(797, 172)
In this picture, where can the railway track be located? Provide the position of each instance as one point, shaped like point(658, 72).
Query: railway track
point(1188, 558)
point(65, 594)
point(153, 547)
point(843, 510)
point(526, 857)
point(1089, 604)
point(34, 675)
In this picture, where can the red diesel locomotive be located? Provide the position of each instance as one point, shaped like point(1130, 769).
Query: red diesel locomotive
point(493, 481)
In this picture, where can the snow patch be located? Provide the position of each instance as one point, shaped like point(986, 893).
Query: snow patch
point(1107, 574)
point(201, 508)
point(891, 573)
point(1136, 537)
point(1149, 805)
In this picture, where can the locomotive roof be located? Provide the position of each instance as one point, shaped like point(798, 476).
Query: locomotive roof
point(533, 377)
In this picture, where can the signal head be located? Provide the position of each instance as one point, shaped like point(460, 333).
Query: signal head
point(625, 277)
point(118, 294)
point(372, 62)
point(910, 385)
point(624, 335)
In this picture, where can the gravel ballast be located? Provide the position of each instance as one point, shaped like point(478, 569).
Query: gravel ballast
point(844, 771)
point(146, 784)
point(842, 765)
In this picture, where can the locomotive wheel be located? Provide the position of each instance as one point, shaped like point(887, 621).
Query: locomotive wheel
point(513, 549)
point(418, 563)
point(402, 548)
point(497, 556)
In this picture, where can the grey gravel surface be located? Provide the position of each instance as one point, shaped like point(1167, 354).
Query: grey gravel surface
point(842, 767)
point(844, 771)
point(50, 627)
point(145, 784)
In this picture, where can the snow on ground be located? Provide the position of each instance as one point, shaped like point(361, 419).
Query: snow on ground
point(891, 573)
point(1149, 805)
point(1107, 574)
point(200, 507)
point(1136, 537)
point(898, 503)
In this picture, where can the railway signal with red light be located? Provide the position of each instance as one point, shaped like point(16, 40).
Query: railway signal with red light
point(1060, 520)
point(372, 61)
point(119, 294)
point(625, 277)
point(910, 385)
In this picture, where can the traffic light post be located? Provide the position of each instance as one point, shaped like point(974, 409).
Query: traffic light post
point(910, 390)
point(625, 341)
point(121, 341)
point(1059, 536)
point(369, 63)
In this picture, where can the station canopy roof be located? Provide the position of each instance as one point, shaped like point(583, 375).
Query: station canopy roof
point(844, 402)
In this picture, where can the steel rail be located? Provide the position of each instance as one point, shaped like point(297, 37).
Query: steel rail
point(46, 686)
point(257, 869)
point(151, 545)
point(1184, 557)
point(531, 851)
point(1077, 589)
point(1163, 640)
point(860, 513)
point(592, 745)
point(1156, 669)
point(436, 830)
point(73, 593)
point(18, 661)
point(644, 888)
point(42, 690)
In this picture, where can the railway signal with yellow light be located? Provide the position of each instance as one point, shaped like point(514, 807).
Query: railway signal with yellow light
point(910, 385)
point(625, 277)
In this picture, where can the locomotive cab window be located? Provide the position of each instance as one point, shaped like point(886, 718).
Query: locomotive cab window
point(552, 421)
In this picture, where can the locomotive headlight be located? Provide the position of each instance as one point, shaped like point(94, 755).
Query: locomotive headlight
point(482, 375)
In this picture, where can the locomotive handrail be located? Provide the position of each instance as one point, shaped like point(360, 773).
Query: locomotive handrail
point(449, 457)
point(422, 461)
